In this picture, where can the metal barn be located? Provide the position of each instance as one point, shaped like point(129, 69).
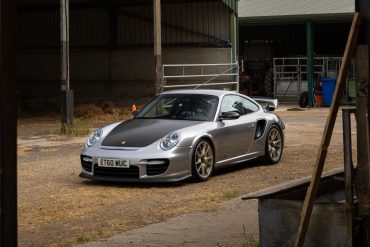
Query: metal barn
point(111, 47)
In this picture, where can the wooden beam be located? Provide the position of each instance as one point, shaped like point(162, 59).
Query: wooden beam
point(322, 153)
point(362, 178)
point(8, 125)
point(363, 153)
point(348, 169)
point(157, 45)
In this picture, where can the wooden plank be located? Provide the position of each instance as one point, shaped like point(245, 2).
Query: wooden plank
point(8, 125)
point(322, 152)
point(291, 185)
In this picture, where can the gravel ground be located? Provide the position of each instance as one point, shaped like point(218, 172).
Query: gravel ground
point(58, 208)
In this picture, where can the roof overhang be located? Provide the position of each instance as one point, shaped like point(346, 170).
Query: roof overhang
point(295, 19)
point(293, 11)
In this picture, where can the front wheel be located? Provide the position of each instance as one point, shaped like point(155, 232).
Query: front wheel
point(203, 160)
point(273, 145)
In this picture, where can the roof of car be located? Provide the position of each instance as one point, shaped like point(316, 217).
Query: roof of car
point(214, 92)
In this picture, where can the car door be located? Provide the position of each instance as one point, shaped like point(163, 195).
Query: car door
point(234, 137)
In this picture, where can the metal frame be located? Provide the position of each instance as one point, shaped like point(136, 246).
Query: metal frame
point(232, 73)
point(293, 70)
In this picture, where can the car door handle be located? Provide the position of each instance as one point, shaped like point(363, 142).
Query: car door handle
point(251, 126)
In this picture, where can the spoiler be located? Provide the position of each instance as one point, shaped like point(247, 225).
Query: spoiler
point(267, 103)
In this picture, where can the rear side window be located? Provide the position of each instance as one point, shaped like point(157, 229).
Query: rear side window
point(249, 106)
point(238, 104)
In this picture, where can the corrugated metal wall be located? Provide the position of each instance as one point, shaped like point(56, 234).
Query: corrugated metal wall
point(184, 23)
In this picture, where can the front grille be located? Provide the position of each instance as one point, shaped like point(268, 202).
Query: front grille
point(152, 170)
point(87, 166)
point(130, 173)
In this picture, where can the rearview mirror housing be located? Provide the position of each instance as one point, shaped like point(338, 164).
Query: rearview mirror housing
point(230, 115)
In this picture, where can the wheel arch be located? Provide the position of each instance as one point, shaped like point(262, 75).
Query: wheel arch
point(207, 137)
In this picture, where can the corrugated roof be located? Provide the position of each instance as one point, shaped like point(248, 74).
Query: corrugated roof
point(270, 8)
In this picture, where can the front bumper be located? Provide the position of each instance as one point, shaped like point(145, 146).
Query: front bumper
point(177, 165)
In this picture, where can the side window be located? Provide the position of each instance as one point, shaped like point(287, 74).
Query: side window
point(232, 103)
point(249, 106)
point(238, 104)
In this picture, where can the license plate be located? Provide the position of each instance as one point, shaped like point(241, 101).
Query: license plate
point(116, 163)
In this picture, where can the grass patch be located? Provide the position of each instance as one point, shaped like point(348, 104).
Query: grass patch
point(65, 244)
point(249, 240)
point(82, 239)
point(250, 243)
point(230, 194)
point(77, 128)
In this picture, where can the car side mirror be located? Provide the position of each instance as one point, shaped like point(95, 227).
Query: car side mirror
point(230, 115)
point(136, 112)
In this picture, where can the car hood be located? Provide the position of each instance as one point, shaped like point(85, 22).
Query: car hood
point(143, 132)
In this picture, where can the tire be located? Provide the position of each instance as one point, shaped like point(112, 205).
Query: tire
point(303, 100)
point(203, 160)
point(274, 145)
point(269, 83)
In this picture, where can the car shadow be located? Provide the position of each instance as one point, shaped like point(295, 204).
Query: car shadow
point(134, 184)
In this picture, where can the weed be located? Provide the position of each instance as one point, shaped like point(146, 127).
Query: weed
point(230, 194)
point(77, 128)
point(82, 239)
point(65, 244)
point(249, 240)
point(116, 114)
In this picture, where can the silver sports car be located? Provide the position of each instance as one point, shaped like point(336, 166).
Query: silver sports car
point(182, 134)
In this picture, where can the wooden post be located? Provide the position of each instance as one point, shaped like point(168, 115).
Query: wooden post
point(157, 45)
point(321, 155)
point(362, 177)
point(8, 125)
point(66, 93)
point(348, 171)
point(64, 42)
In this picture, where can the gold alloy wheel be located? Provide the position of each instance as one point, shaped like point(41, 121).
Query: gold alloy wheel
point(203, 159)
point(274, 143)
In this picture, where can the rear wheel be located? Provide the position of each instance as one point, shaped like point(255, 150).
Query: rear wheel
point(303, 100)
point(269, 83)
point(274, 145)
point(203, 160)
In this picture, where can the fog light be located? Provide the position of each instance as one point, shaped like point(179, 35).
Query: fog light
point(156, 162)
point(87, 159)
point(153, 162)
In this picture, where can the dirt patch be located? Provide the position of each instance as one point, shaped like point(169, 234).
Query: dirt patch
point(57, 208)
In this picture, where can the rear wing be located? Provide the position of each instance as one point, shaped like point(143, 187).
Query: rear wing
point(267, 103)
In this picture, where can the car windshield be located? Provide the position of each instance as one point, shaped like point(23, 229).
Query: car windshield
point(195, 107)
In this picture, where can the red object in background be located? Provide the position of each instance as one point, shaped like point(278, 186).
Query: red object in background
point(318, 100)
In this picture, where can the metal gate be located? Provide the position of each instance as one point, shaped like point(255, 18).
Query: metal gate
point(290, 74)
point(221, 76)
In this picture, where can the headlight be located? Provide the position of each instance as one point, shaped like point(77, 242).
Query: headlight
point(169, 141)
point(94, 137)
